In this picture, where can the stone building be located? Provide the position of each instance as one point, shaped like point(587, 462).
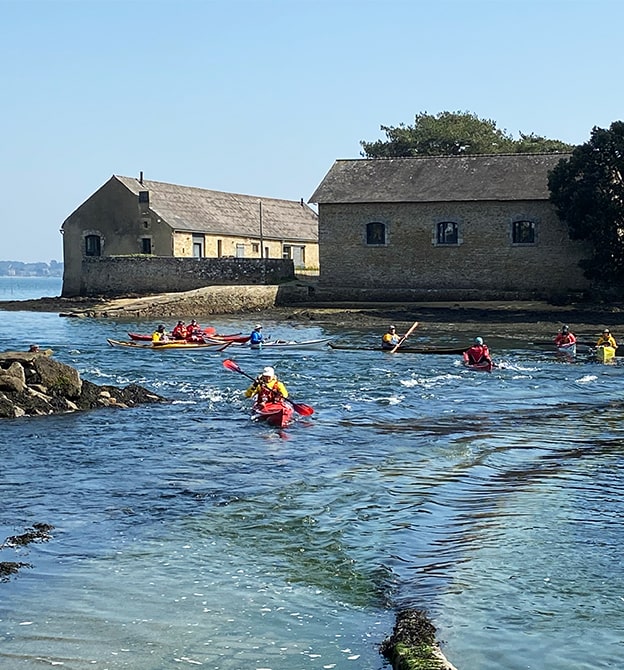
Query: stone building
point(445, 227)
point(144, 218)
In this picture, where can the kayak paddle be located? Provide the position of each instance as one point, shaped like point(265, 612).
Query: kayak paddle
point(299, 407)
point(409, 332)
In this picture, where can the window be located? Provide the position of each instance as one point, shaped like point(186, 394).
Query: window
point(93, 245)
point(146, 245)
point(198, 246)
point(447, 233)
point(240, 251)
point(376, 233)
point(523, 232)
point(286, 251)
point(255, 247)
point(144, 197)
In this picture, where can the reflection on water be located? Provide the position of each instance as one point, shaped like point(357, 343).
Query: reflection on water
point(186, 534)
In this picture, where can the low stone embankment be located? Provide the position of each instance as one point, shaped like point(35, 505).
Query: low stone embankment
point(34, 384)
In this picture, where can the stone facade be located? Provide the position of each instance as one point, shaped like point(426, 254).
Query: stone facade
point(149, 219)
point(484, 261)
point(148, 275)
point(444, 228)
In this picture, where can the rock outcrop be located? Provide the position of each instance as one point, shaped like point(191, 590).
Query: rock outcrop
point(34, 384)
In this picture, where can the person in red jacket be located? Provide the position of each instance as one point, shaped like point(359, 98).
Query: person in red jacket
point(564, 336)
point(477, 353)
point(193, 332)
point(179, 331)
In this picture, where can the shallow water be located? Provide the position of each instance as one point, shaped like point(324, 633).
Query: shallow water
point(185, 534)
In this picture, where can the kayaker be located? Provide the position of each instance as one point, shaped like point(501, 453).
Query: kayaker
point(179, 331)
point(267, 387)
point(390, 339)
point(256, 338)
point(477, 353)
point(160, 335)
point(564, 336)
point(193, 331)
point(606, 339)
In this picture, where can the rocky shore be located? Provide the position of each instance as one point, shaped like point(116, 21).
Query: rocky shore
point(34, 384)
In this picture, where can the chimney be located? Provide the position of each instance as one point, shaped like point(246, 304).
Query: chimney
point(302, 202)
point(141, 177)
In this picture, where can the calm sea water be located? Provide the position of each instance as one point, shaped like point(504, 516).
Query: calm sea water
point(27, 288)
point(186, 535)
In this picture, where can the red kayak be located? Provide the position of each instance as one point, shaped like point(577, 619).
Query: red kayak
point(483, 366)
point(209, 336)
point(278, 414)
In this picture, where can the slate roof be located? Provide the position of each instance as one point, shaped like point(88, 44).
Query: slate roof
point(438, 179)
point(198, 210)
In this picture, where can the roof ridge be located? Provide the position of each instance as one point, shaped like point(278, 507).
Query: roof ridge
point(438, 156)
point(209, 190)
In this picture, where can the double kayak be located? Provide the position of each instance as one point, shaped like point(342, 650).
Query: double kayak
point(278, 414)
point(207, 337)
point(175, 344)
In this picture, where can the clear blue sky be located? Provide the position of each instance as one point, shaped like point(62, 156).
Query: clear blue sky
point(261, 96)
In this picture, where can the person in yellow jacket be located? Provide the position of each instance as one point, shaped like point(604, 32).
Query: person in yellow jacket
point(267, 387)
point(160, 335)
point(390, 339)
point(606, 340)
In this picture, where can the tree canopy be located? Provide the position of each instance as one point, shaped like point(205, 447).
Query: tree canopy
point(455, 134)
point(587, 190)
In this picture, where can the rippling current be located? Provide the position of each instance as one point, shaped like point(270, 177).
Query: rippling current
point(187, 535)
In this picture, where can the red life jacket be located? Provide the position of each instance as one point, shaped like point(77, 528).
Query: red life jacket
point(477, 353)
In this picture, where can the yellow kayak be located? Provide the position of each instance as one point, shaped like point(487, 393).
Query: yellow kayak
point(178, 344)
point(605, 354)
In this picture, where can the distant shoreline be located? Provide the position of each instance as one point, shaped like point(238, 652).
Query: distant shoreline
point(50, 275)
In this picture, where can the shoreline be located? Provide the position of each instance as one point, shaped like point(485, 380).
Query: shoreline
point(513, 320)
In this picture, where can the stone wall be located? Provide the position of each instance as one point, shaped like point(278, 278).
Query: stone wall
point(147, 275)
point(485, 262)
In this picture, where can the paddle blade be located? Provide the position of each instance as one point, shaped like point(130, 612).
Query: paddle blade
point(231, 365)
point(303, 409)
point(209, 330)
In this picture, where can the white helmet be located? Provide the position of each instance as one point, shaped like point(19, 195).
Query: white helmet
point(268, 372)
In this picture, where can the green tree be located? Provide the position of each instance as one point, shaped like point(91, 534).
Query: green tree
point(588, 192)
point(535, 144)
point(455, 134)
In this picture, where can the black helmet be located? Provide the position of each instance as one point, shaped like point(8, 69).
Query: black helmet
point(565, 329)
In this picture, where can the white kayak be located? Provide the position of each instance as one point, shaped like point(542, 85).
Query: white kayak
point(569, 349)
point(292, 344)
